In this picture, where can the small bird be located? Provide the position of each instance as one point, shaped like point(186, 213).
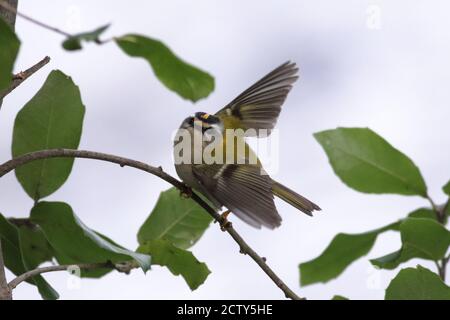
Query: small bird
point(243, 187)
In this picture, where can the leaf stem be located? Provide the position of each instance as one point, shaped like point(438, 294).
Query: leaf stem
point(157, 171)
point(440, 216)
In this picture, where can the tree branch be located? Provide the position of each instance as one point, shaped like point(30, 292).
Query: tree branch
point(9, 15)
point(24, 75)
point(5, 291)
point(125, 268)
point(6, 6)
point(157, 171)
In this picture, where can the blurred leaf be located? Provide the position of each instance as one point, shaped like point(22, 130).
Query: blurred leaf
point(180, 221)
point(16, 249)
point(178, 261)
point(71, 239)
point(9, 47)
point(366, 162)
point(446, 188)
point(186, 80)
point(424, 213)
point(394, 259)
point(417, 284)
point(338, 297)
point(421, 238)
point(53, 118)
point(74, 42)
point(340, 253)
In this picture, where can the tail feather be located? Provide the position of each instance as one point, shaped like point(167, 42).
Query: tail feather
point(294, 199)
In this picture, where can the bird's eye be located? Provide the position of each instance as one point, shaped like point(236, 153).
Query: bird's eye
point(206, 118)
point(202, 116)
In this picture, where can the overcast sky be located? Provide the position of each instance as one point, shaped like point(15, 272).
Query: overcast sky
point(390, 74)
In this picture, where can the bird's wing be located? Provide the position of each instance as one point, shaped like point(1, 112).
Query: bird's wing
point(258, 107)
point(243, 190)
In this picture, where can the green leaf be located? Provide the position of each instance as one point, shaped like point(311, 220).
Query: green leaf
point(73, 240)
point(22, 252)
point(35, 250)
point(34, 246)
point(338, 297)
point(417, 284)
point(186, 80)
point(45, 289)
point(9, 47)
point(394, 259)
point(74, 42)
point(53, 118)
point(424, 213)
point(366, 162)
point(178, 261)
point(421, 238)
point(446, 188)
point(340, 253)
point(9, 236)
point(180, 221)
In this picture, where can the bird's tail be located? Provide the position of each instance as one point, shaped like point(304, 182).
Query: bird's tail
point(293, 198)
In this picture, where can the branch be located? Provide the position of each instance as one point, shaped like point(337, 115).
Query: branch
point(5, 291)
point(157, 171)
point(23, 75)
point(14, 11)
point(125, 268)
point(9, 15)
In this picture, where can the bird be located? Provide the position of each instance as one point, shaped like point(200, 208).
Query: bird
point(242, 187)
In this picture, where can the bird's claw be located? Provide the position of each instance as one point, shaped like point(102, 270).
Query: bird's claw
point(186, 192)
point(224, 223)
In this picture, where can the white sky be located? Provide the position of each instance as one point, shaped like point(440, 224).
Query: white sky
point(393, 80)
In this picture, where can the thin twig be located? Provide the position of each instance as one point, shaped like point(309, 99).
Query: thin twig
point(11, 9)
point(20, 77)
point(433, 204)
point(157, 171)
point(83, 266)
point(5, 291)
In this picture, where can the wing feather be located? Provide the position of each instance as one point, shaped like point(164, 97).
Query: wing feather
point(259, 106)
point(243, 190)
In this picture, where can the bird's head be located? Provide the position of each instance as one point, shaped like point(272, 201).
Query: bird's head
point(202, 121)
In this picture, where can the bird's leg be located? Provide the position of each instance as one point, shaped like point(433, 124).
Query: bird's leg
point(224, 223)
point(186, 192)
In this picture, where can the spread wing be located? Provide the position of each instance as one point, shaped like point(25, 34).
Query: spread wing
point(258, 107)
point(243, 190)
